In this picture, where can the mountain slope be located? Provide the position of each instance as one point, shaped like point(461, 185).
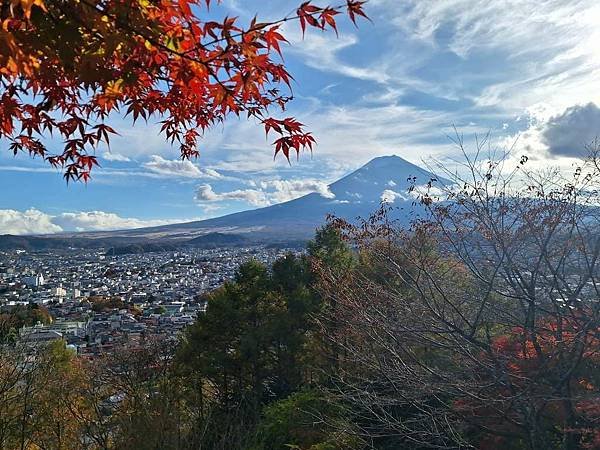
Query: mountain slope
point(356, 195)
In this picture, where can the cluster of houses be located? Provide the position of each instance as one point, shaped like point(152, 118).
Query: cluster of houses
point(99, 302)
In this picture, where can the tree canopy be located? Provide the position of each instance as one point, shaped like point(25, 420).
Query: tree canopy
point(66, 66)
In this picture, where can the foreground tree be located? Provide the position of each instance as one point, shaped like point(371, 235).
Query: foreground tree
point(306, 420)
point(66, 65)
point(142, 399)
point(247, 350)
point(21, 316)
point(43, 401)
point(480, 326)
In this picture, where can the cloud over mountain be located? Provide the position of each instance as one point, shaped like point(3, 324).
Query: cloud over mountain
point(100, 220)
point(205, 193)
point(389, 196)
point(266, 192)
point(285, 190)
point(31, 221)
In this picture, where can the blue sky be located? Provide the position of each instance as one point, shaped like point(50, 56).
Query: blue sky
point(527, 71)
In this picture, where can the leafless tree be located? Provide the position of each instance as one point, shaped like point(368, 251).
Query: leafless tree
point(479, 326)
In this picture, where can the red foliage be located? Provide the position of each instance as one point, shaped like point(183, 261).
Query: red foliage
point(532, 367)
point(65, 66)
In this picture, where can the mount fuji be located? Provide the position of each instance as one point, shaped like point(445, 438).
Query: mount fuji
point(358, 194)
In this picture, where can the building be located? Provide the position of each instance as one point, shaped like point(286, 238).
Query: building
point(34, 281)
point(39, 334)
point(58, 291)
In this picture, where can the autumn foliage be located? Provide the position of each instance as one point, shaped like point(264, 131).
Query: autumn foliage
point(66, 66)
point(534, 366)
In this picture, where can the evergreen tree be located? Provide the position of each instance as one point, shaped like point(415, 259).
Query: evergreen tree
point(246, 351)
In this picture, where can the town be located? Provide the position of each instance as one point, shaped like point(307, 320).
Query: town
point(97, 302)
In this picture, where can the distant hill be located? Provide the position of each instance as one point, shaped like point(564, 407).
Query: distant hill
point(212, 240)
point(55, 242)
point(133, 249)
point(357, 194)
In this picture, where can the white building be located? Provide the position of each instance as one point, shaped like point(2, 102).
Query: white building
point(58, 291)
point(35, 281)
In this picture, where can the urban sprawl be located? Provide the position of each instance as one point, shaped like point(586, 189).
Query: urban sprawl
point(98, 302)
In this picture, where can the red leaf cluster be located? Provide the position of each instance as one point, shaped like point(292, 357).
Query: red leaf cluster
point(292, 135)
point(536, 364)
point(66, 66)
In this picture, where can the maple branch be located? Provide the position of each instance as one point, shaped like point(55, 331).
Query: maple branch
point(262, 26)
point(146, 58)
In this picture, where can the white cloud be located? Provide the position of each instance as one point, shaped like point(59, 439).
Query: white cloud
point(290, 189)
point(435, 193)
point(30, 169)
point(259, 159)
point(112, 156)
point(179, 168)
point(389, 196)
point(254, 197)
point(266, 192)
point(34, 221)
point(559, 137)
point(31, 221)
point(527, 52)
point(321, 51)
point(100, 220)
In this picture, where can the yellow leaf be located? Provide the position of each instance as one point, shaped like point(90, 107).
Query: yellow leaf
point(26, 5)
point(115, 87)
